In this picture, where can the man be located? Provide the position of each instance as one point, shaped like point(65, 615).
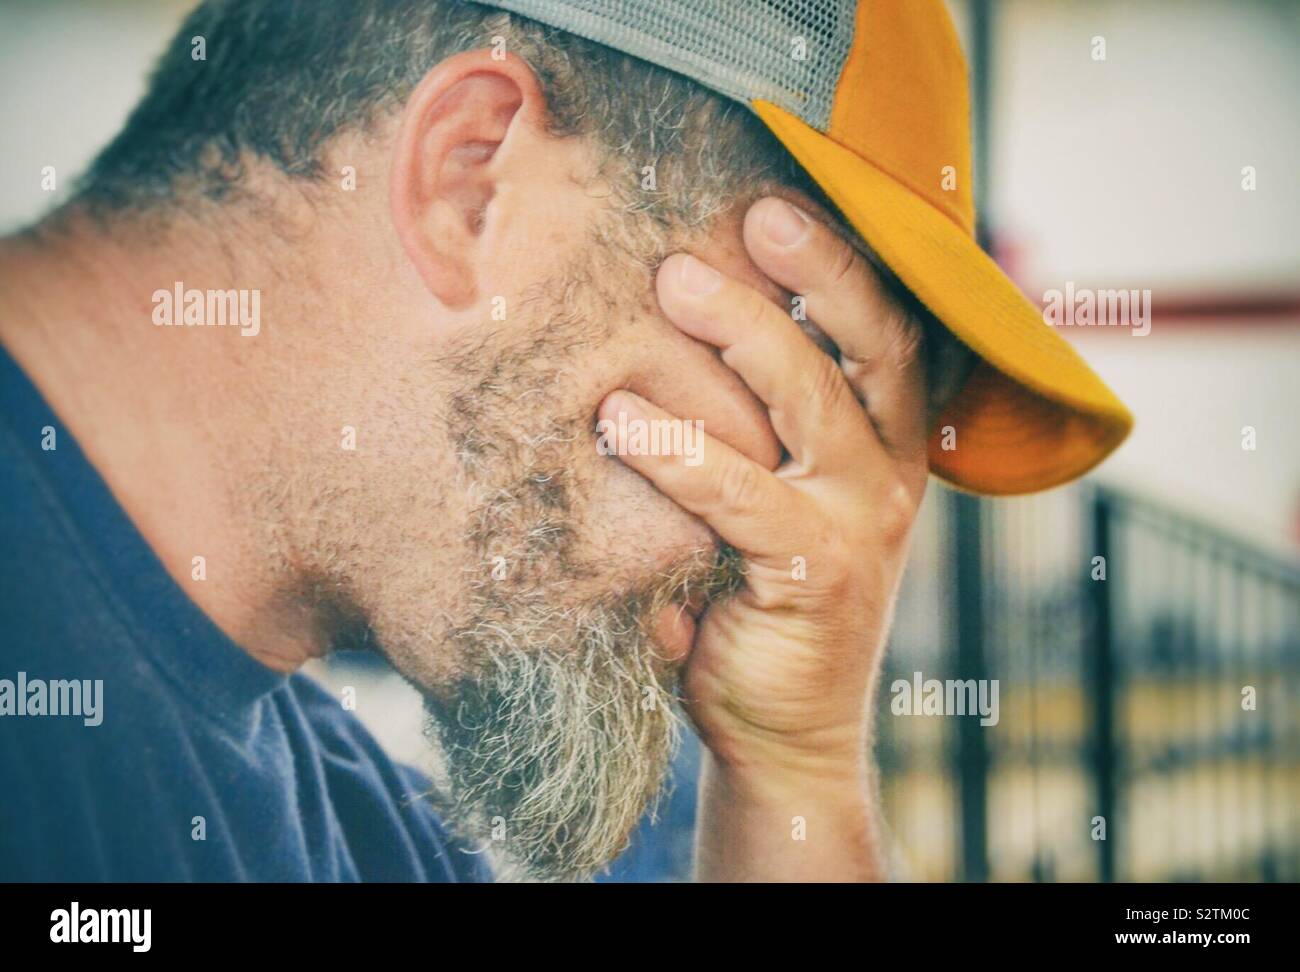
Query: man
point(562, 378)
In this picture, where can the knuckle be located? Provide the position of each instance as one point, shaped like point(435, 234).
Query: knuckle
point(755, 309)
point(824, 385)
point(840, 264)
point(904, 337)
point(895, 513)
point(740, 486)
point(837, 557)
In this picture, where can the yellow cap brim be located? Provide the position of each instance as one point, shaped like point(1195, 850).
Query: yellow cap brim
point(1033, 415)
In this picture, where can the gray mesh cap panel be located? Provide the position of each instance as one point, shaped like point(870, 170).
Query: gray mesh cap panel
point(788, 52)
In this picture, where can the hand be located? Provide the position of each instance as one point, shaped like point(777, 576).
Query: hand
point(780, 677)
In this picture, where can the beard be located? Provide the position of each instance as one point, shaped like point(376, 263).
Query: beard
point(560, 743)
point(552, 755)
point(556, 739)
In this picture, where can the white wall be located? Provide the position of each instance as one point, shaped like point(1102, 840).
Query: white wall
point(1129, 170)
point(70, 71)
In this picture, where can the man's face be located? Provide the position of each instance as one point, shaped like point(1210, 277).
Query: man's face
point(521, 579)
point(561, 729)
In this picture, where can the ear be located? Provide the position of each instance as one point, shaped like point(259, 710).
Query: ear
point(462, 120)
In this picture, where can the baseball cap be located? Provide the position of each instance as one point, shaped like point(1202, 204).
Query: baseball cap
point(871, 98)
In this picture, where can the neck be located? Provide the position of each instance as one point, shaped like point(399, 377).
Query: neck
point(170, 416)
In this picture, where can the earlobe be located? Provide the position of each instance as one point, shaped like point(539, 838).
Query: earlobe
point(443, 177)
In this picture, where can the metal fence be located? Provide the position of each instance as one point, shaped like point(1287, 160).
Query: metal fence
point(1149, 720)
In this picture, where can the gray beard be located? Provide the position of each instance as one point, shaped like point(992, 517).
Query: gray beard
point(551, 757)
point(557, 741)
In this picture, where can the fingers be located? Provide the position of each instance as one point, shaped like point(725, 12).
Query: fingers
point(811, 405)
point(845, 297)
point(752, 509)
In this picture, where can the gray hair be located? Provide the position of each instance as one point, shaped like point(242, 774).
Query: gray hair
point(281, 79)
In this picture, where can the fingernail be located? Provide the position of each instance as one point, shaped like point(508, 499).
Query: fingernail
point(698, 278)
point(623, 402)
point(784, 224)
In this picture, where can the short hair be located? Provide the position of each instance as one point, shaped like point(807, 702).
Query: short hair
point(279, 79)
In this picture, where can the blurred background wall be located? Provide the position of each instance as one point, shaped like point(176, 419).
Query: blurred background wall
point(1117, 172)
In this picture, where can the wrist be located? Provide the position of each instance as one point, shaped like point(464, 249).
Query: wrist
point(773, 778)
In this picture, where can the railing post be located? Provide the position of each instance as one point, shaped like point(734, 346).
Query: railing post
point(1099, 678)
point(971, 750)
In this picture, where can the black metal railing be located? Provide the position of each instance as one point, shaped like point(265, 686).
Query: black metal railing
point(1147, 668)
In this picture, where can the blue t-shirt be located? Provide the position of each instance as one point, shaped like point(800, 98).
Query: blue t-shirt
point(204, 764)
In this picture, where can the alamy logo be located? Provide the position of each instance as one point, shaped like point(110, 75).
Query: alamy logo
point(1098, 308)
point(131, 925)
point(954, 697)
point(56, 697)
point(651, 437)
point(179, 307)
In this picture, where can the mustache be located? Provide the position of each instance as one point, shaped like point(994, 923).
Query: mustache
point(706, 577)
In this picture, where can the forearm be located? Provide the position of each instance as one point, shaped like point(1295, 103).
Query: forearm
point(770, 827)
